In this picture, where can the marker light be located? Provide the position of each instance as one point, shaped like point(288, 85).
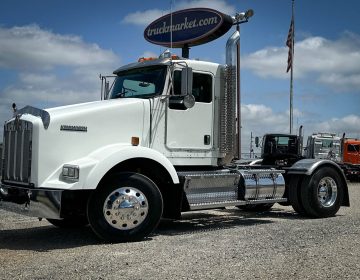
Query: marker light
point(135, 141)
point(142, 59)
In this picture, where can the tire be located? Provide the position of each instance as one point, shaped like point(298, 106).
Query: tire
point(70, 222)
point(126, 207)
point(322, 193)
point(256, 207)
point(295, 195)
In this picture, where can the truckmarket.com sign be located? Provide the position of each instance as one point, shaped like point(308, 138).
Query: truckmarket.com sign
point(189, 27)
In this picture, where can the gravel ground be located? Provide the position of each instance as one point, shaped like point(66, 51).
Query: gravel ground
point(218, 244)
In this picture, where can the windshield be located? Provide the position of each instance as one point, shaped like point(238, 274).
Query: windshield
point(275, 144)
point(139, 83)
point(326, 146)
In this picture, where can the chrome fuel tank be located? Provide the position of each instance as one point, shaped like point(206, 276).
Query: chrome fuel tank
point(261, 184)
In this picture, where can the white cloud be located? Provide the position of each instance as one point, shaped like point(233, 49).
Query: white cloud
point(219, 5)
point(53, 69)
point(37, 79)
point(30, 47)
point(143, 18)
point(348, 124)
point(259, 119)
point(341, 81)
point(149, 54)
point(334, 63)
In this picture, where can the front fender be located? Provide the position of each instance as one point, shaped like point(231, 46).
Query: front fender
point(112, 155)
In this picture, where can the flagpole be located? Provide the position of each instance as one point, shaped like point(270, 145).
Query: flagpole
point(291, 70)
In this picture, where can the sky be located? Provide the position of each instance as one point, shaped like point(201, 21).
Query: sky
point(52, 53)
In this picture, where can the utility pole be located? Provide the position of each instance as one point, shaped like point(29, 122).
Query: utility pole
point(290, 42)
point(251, 145)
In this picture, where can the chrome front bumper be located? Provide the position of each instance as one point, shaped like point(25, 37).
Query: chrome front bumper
point(31, 202)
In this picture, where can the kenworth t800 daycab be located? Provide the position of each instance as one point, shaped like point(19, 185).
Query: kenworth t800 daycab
point(161, 143)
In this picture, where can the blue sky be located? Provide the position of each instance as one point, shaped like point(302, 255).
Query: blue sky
point(52, 52)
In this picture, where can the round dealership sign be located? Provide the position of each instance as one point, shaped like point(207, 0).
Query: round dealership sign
point(188, 27)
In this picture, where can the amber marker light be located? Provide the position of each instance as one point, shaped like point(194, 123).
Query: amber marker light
point(135, 141)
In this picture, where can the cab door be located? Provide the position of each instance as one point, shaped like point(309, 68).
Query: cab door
point(353, 153)
point(192, 128)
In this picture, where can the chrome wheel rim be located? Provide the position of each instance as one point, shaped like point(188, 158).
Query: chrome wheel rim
point(125, 208)
point(327, 191)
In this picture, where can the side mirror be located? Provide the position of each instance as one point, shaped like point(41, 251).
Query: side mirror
point(181, 102)
point(186, 81)
point(186, 87)
point(189, 101)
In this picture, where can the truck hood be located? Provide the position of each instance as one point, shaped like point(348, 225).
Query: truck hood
point(75, 131)
point(105, 106)
point(104, 122)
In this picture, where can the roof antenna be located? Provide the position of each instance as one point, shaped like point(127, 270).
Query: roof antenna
point(171, 39)
point(14, 109)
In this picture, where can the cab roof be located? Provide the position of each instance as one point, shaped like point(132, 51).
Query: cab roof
point(196, 64)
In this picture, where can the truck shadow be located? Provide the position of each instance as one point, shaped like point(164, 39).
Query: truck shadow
point(47, 237)
point(193, 222)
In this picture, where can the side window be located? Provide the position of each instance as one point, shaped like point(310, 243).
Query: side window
point(177, 82)
point(353, 148)
point(202, 86)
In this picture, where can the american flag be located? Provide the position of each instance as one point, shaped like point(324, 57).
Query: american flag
point(289, 43)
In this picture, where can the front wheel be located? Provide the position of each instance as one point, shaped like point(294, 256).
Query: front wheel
point(125, 207)
point(322, 193)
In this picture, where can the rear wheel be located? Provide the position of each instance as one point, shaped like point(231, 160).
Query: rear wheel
point(125, 207)
point(322, 193)
point(295, 194)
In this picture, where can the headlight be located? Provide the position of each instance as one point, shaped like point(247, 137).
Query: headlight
point(70, 172)
point(4, 191)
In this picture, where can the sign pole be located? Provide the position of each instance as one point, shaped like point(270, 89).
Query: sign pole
point(185, 51)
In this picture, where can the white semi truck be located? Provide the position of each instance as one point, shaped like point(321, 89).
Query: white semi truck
point(162, 142)
point(324, 146)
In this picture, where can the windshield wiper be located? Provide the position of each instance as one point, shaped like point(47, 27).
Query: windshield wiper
point(124, 91)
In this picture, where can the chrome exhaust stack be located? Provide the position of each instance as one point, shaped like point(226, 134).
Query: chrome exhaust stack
point(230, 117)
point(229, 101)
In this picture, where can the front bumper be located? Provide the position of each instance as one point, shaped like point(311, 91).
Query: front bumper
point(31, 202)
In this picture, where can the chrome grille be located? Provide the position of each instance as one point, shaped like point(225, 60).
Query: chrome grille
point(17, 148)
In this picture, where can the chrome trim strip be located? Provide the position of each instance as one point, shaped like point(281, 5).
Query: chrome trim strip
point(15, 155)
point(44, 115)
point(202, 206)
point(22, 155)
point(8, 149)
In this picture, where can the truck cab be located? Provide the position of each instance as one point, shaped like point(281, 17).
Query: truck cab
point(324, 146)
point(281, 149)
point(351, 151)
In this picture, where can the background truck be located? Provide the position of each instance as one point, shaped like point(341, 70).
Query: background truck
point(350, 150)
point(162, 142)
point(286, 149)
point(323, 146)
